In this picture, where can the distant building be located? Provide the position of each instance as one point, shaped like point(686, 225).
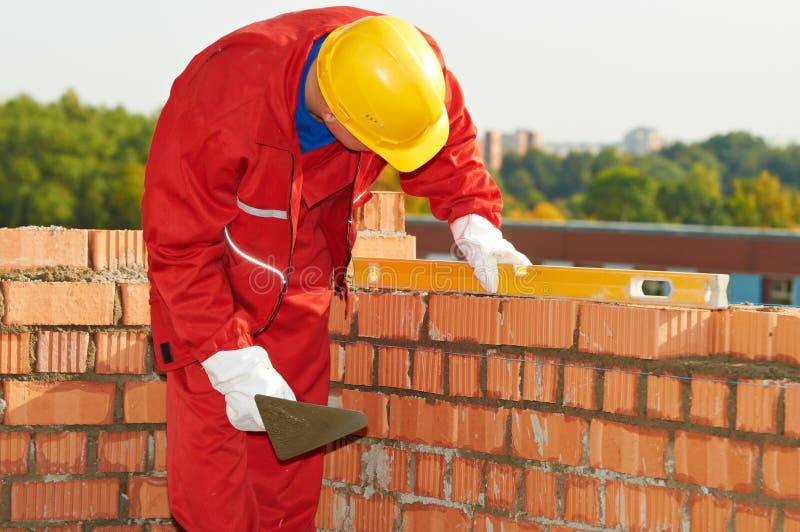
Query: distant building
point(494, 144)
point(642, 140)
point(563, 149)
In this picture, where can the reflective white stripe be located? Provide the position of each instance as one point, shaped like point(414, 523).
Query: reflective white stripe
point(359, 196)
point(261, 213)
point(255, 261)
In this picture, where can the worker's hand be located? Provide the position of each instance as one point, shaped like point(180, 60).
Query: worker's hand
point(241, 374)
point(484, 247)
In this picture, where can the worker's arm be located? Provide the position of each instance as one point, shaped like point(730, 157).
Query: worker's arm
point(461, 191)
point(202, 145)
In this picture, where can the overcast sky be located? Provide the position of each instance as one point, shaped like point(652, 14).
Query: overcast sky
point(574, 70)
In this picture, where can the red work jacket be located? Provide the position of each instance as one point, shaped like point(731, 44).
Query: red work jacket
point(222, 181)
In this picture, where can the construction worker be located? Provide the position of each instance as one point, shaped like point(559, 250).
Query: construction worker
point(270, 138)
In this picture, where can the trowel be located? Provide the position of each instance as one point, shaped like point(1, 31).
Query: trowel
point(295, 428)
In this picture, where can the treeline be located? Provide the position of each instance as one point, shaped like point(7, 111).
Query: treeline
point(65, 163)
point(730, 179)
point(69, 164)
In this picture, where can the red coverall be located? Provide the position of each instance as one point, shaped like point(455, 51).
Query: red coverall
point(225, 170)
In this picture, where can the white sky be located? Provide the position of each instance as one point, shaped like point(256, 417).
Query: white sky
point(575, 70)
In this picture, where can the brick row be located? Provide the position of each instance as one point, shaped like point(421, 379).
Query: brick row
point(82, 403)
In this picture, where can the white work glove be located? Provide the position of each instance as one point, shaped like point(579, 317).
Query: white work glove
point(484, 248)
point(241, 374)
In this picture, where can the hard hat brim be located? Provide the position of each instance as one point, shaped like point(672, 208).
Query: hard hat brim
point(411, 157)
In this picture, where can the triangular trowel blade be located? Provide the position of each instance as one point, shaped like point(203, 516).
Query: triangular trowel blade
point(295, 428)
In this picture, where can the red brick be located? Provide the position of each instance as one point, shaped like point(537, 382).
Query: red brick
point(376, 513)
point(756, 406)
point(715, 462)
point(664, 397)
point(753, 334)
point(753, 518)
point(61, 452)
point(481, 429)
point(154, 527)
point(393, 367)
point(382, 246)
point(709, 514)
point(579, 387)
point(493, 523)
point(121, 352)
point(787, 337)
point(637, 507)
point(148, 497)
point(343, 461)
point(331, 510)
point(59, 403)
point(709, 405)
point(337, 362)
point(501, 486)
point(465, 375)
point(65, 500)
point(14, 453)
point(358, 360)
point(27, 249)
point(385, 211)
point(582, 499)
point(386, 468)
point(720, 331)
point(429, 517)
point(417, 420)
point(539, 378)
point(428, 371)
point(464, 318)
point(619, 391)
point(374, 406)
point(429, 475)
point(467, 480)
point(46, 303)
point(502, 377)
point(15, 353)
point(340, 317)
point(144, 402)
point(627, 448)
point(135, 303)
point(548, 437)
point(791, 521)
point(117, 528)
point(121, 451)
point(62, 351)
point(541, 493)
point(159, 450)
point(791, 419)
point(781, 472)
point(115, 249)
point(390, 315)
point(538, 322)
point(644, 332)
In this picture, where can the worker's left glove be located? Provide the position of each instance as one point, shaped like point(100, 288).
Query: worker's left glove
point(239, 375)
point(484, 248)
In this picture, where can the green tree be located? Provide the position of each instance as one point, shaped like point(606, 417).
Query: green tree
point(694, 200)
point(622, 193)
point(762, 202)
point(71, 164)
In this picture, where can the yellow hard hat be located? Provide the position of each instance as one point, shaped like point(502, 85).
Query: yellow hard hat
point(384, 83)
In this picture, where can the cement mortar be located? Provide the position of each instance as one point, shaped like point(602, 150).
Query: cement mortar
point(70, 274)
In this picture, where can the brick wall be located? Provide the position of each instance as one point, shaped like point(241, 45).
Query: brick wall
point(486, 413)
point(490, 413)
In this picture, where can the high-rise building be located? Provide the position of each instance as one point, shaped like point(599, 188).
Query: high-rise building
point(494, 144)
point(642, 140)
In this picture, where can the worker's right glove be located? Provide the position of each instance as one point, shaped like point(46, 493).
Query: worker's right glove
point(484, 248)
point(241, 374)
